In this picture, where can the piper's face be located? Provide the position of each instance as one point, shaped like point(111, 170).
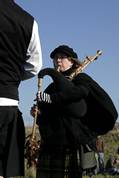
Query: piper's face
point(62, 62)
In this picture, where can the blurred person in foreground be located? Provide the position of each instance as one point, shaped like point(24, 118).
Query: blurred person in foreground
point(20, 59)
point(69, 117)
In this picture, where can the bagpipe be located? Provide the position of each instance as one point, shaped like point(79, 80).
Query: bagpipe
point(32, 146)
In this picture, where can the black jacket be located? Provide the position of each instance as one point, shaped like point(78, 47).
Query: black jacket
point(80, 110)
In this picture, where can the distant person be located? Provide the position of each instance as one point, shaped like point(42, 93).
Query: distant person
point(112, 165)
point(20, 59)
point(69, 117)
point(100, 152)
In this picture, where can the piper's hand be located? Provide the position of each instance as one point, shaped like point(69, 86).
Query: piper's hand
point(34, 110)
point(43, 97)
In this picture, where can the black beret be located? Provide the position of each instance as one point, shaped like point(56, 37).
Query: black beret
point(65, 50)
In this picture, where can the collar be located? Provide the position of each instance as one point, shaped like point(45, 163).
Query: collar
point(68, 72)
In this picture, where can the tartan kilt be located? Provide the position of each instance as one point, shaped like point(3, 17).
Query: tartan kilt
point(59, 162)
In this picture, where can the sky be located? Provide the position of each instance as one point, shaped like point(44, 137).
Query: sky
point(84, 25)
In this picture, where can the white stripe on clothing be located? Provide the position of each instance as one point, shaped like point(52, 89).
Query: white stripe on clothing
point(34, 54)
point(8, 102)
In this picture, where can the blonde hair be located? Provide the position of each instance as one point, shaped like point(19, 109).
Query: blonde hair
point(76, 62)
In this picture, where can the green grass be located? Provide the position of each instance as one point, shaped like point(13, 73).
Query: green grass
point(106, 176)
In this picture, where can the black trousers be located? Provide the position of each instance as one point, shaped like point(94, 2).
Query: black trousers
point(12, 139)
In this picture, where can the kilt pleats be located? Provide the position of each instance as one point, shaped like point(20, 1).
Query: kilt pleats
point(59, 163)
